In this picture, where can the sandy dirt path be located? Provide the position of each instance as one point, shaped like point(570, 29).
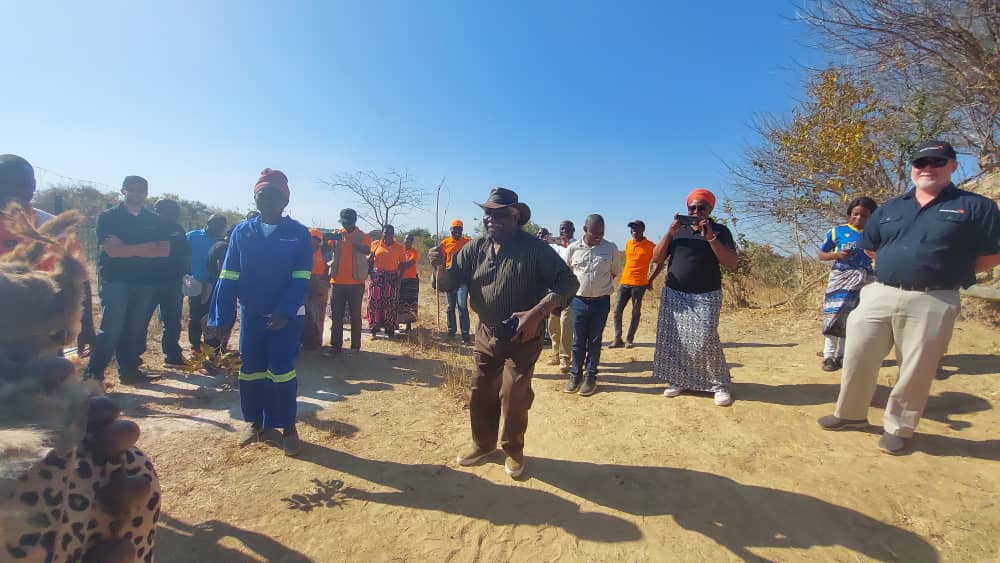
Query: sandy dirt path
point(623, 475)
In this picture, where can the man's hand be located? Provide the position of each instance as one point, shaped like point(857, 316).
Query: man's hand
point(528, 324)
point(206, 293)
point(675, 228)
point(435, 256)
point(113, 247)
point(706, 229)
point(277, 322)
point(845, 254)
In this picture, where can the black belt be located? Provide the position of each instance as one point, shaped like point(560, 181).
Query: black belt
point(914, 287)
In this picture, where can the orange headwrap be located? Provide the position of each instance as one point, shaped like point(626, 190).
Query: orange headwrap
point(272, 179)
point(702, 194)
point(457, 223)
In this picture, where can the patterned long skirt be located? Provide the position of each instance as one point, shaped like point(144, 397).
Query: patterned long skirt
point(843, 293)
point(688, 350)
point(409, 296)
point(383, 300)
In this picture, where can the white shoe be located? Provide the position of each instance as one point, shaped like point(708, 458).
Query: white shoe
point(513, 468)
point(723, 399)
point(672, 391)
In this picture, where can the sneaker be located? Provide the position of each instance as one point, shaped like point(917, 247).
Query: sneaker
point(564, 365)
point(831, 422)
point(616, 344)
point(249, 435)
point(291, 444)
point(552, 362)
point(892, 444)
point(829, 364)
point(723, 398)
point(629, 345)
point(175, 363)
point(573, 385)
point(513, 467)
point(672, 391)
point(473, 455)
point(589, 386)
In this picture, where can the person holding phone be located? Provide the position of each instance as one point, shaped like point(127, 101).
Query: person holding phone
point(688, 353)
point(515, 280)
point(852, 270)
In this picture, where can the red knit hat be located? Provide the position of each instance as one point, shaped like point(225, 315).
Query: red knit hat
point(272, 179)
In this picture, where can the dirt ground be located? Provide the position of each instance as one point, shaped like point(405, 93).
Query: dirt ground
point(623, 475)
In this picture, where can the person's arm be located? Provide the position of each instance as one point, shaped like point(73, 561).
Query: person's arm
point(656, 271)
point(462, 265)
point(222, 312)
point(294, 296)
point(359, 243)
point(563, 285)
point(660, 252)
point(989, 255)
point(723, 252)
point(406, 265)
point(616, 261)
point(829, 251)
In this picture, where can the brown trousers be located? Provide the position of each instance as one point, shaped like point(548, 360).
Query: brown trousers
point(502, 386)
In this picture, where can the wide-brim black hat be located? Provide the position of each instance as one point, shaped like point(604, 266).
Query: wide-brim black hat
point(502, 197)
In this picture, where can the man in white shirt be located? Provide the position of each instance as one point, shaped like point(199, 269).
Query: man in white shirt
point(561, 319)
point(596, 263)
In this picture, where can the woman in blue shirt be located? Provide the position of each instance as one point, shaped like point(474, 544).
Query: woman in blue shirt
point(852, 270)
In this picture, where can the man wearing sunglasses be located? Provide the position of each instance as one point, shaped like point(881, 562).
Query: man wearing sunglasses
point(927, 243)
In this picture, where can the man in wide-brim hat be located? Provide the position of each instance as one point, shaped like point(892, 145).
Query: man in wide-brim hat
point(514, 280)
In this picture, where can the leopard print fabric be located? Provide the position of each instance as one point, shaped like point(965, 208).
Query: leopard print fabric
point(59, 497)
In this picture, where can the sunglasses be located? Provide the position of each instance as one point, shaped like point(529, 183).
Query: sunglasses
point(698, 207)
point(500, 212)
point(929, 162)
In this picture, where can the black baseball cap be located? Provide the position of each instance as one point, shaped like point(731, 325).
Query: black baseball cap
point(938, 149)
point(637, 223)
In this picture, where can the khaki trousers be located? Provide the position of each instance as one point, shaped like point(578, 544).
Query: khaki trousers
point(920, 324)
point(561, 332)
point(502, 386)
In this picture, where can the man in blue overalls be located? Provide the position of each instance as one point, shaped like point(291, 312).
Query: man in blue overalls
point(267, 268)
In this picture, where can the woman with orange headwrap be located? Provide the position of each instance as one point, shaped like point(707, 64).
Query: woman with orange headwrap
point(688, 354)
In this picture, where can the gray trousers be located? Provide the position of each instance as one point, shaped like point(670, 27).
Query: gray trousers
point(920, 324)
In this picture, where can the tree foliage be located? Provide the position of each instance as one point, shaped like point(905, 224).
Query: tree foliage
point(91, 202)
point(949, 49)
point(381, 197)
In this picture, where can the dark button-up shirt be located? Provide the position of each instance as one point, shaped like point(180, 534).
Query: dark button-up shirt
point(934, 246)
point(523, 272)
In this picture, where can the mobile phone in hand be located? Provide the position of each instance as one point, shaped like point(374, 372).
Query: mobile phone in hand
point(687, 219)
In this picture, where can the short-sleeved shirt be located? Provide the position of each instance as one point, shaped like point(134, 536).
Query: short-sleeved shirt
point(201, 242)
point(693, 266)
point(216, 256)
point(595, 267)
point(344, 268)
point(412, 255)
point(451, 246)
point(935, 246)
point(131, 229)
point(178, 262)
point(638, 256)
point(388, 257)
point(847, 237)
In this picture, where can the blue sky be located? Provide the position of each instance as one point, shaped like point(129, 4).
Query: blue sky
point(580, 107)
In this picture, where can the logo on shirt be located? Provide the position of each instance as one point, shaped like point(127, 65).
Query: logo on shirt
point(956, 211)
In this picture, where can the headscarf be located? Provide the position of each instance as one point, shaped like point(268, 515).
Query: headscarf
point(702, 194)
point(272, 179)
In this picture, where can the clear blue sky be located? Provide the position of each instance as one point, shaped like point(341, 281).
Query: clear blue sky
point(616, 108)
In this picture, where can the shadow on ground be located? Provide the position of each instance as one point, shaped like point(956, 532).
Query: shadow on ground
point(736, 516)
point(202, 543)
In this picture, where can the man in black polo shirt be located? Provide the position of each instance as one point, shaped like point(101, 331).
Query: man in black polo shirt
point(133, 248)
point(927, 244)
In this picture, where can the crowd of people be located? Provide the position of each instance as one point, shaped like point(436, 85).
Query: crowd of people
point(896, 273)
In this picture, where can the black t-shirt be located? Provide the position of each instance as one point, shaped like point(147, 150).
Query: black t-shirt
point(179, 261)
point(692, 266)
point(216, 256)
point(131, 229)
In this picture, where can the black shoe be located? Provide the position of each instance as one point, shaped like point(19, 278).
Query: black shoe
point(589, 386)
point(133, 377)
point(573, 384)
point(616, 344)
point(840, 363)
point(829, 364)
point(249, 435)
point(176, 363)
point(831, 422)
point(466, 340)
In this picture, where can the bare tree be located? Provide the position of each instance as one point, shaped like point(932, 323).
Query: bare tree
point(949, 49)
point(382, 197)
